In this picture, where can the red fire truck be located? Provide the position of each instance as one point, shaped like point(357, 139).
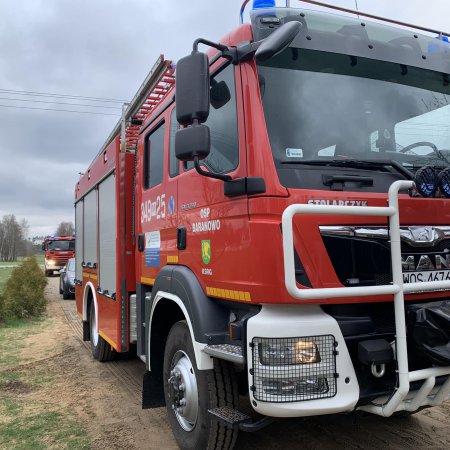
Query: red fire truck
point(272, 237)
point(58, 250)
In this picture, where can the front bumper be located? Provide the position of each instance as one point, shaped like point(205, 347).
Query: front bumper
point(296, 321)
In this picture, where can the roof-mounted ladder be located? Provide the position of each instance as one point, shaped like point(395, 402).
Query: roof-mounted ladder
point(155, 88)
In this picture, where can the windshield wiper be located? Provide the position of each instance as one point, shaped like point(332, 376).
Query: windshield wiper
point(367, 164)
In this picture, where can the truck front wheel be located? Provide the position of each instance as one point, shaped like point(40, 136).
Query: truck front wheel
point(190, 393)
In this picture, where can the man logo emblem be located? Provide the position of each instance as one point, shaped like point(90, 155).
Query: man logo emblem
point(206, 251)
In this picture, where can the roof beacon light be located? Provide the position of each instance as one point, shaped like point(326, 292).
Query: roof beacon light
point(444, 182)
point(259, 4)
point(426, 180)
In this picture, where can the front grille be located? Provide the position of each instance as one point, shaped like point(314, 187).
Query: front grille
point(278, 377)
point(360, 261)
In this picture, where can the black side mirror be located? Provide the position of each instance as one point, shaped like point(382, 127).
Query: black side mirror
point(192, 89)
point(43, 247)
point(192, 142)
point(277, 41)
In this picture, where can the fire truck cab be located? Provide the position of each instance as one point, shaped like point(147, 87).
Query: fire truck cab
point(277, 226)
point(58, 250)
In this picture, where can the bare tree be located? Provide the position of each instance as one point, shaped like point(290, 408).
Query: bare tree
point(65, 229)
point(11, 236)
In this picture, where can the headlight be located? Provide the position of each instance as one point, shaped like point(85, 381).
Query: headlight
point(297, 351)
point(50, 262)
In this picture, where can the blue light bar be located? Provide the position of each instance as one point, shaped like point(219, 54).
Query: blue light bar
point(258, 4)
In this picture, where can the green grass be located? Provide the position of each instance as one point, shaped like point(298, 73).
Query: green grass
point(26, 424)
point(41, 431)
point(8, 376)
point(12, 336)
point(39, 258)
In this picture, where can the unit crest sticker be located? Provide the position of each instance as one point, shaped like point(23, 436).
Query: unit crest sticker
point(152, 249)
point(206, 251)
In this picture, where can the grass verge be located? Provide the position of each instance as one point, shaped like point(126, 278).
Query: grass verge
point(27, 419)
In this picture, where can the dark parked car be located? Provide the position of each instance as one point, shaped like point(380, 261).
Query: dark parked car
point(67, 280)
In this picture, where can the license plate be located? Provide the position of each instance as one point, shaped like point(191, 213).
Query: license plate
point(429, 275)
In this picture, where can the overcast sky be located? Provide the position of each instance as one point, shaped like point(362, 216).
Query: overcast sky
point(103, 49)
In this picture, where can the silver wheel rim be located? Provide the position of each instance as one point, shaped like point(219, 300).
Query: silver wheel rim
point(183, 390)
point(94, 333)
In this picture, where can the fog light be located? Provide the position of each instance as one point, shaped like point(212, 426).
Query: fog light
point(295, 386)
point(292, 351)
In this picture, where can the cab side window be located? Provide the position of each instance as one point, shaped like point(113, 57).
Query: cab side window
point(222, 122)
point(154, 157)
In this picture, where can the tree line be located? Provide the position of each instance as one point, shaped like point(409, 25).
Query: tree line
point(12, 237)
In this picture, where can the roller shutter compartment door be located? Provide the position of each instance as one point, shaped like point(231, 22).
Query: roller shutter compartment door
point(90, 228)
point(107, 234)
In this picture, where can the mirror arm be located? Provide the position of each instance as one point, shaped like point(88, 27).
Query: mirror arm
point(224, 52)
point(247, 51)
point(217, 176)
point(198, 41)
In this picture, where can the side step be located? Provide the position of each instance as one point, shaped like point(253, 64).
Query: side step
point(236, 419)
point(228, 352)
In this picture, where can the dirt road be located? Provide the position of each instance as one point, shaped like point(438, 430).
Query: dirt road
point(107, 400)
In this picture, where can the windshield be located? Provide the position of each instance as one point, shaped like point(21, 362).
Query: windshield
point(326, 106)
point(61, 246)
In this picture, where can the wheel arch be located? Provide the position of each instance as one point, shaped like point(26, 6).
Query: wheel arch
point(166, 310)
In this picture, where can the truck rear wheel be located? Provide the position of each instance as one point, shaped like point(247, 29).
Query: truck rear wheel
point(101, 350)
point(190, 393)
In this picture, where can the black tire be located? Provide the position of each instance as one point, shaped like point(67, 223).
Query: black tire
point(48, 273)
point(101, 350)
point(66, 293)
point(60, 289)
point(216, 388)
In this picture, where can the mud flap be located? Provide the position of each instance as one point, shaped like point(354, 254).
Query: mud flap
point(152, 391)
point(429, 331)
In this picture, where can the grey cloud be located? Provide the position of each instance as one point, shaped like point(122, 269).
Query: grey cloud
point(100, 48)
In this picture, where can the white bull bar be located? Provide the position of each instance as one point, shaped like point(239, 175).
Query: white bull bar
point(402, 399)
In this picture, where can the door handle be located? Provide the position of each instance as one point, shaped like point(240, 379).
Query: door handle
point(181, 238)
point(141, 242)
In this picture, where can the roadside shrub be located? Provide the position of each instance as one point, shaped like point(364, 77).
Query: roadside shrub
point(2, 311)
point(23, 294)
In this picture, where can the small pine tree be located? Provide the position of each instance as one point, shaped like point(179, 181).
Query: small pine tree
point(23, 295)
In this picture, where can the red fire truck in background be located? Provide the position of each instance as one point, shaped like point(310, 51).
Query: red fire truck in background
point(272, 237)
point(58, 250)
